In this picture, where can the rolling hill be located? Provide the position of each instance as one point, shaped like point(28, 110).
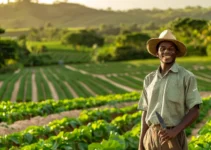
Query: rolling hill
point(27, 15)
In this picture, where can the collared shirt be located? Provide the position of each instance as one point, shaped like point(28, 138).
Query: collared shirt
point(171, 95)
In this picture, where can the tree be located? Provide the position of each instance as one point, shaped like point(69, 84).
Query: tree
point(8, 50)
point(2, 31)
point(84, 37)
point(193, 33)
point(136, 40)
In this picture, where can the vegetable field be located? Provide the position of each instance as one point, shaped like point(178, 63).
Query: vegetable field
point(85, 80)
point(95, 129)
point(106, 96)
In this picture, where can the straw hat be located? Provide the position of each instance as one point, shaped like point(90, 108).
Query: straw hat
point(166, 35)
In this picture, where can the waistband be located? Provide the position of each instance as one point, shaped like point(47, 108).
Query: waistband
point(158, 126)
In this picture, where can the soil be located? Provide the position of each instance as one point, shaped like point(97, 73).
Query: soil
point(40, 121)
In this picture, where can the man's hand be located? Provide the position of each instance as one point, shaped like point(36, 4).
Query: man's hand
point(166, 135)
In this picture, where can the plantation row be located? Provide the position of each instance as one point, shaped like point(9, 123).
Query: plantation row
point(64, 57)
point(203, 141)
point(95, 129)
point(11, 112)
point(34, 133)
point(85, 80)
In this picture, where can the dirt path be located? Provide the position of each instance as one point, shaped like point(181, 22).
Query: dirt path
point(34, 88)
point(72, 91)
point(17, 71)
point(126, 88)
point(40, 121)
point(203, 78)
point(103, 77)
point(88, 89)
point(1, 83)
point(205, 75)
point(15, 90)
point(199, 125)
point(52, 89)
point(137, 78)
point(205, 94)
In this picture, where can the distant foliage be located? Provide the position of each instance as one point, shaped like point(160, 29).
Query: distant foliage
point(87, 38)
point(46, 33)
point(8, 50)
point(2, 31)
point(109, 29)
point(126, 47)
point(195, 33)
point(129, 53)
point(136, 40)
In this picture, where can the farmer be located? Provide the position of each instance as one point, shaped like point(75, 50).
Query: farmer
point(171, 91)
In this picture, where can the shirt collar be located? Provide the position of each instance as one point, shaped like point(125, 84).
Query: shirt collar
point(174, 68)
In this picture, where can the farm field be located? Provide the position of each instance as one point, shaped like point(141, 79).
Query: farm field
point(94, 128)
point(87, 106)
point(84, 80)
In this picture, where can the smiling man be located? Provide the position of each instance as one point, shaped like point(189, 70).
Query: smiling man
point(171, 91)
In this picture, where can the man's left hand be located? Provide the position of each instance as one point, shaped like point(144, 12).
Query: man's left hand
point(167, 134)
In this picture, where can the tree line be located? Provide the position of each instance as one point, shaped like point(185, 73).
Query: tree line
point(108, 42)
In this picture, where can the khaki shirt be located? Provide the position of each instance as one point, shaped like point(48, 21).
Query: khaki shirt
point(172, 95)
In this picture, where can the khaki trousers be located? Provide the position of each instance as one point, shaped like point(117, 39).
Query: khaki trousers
point(152, 142)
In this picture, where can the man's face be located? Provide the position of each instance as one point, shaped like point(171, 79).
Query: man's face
point(167, 52)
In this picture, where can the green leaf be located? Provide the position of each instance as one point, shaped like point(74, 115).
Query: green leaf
point(28, 138)
point(95, 146)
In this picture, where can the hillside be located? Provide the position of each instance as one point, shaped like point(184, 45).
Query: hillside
point(26, 15)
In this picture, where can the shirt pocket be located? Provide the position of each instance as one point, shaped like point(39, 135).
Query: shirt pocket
point(174, 91)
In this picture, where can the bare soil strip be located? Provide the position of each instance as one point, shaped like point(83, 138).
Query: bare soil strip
point(87, 88)
point(137, 78)
point(126, 88)
point(205, 94)
point(105, 88)
point(1, 83)
point(205, 75)
point(15, 90)
point(199, 125)
point(52, 89)
point(17, 71)
point(25, 90)
point(72, 91)
point(203, 78)
point(40, 121)
point(34, 88)
point(55, 76)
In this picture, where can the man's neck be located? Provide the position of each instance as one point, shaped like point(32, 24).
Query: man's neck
point(165, 67)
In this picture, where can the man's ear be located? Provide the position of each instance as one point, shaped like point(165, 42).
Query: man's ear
point(157, 54)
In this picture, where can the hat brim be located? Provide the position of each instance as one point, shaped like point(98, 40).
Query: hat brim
point(152, 46)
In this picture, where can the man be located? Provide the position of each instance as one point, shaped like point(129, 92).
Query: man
point(171, 91)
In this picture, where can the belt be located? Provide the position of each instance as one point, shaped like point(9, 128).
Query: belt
point(158, 126)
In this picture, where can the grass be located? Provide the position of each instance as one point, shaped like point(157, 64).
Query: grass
point(57, 46)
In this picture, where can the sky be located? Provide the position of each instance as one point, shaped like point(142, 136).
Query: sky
point(131, 4)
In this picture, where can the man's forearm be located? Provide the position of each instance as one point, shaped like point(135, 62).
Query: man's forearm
point(189, 118)
point(144, 128)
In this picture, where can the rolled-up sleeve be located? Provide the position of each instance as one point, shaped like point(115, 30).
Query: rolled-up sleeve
point(192, 94)
point(142, 104)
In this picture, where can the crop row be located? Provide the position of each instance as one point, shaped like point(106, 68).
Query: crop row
point(34, 133)
point(203, 140)
point(126, 141)
point(10, 112)
point(81, 137)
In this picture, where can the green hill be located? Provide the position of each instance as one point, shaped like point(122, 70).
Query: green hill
point(27, 15)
